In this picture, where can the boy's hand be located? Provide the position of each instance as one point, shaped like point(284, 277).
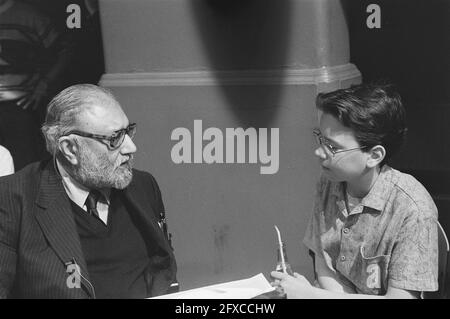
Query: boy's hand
point(296, 286)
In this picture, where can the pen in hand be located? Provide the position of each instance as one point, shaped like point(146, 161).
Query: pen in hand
point(283, 264)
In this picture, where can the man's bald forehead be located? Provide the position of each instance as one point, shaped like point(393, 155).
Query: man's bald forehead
point(100, 100)
point(97, 110)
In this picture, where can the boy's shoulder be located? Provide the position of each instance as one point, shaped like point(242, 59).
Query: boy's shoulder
point(409, 192)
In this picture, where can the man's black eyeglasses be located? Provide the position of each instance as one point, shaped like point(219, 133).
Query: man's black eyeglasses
point(114, 140)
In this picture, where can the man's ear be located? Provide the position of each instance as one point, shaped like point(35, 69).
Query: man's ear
point(69, 149)
point(376, 156)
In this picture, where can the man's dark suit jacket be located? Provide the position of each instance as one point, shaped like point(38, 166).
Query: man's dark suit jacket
point(39, 239)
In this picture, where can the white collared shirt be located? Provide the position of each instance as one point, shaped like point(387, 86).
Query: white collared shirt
point(78, 194)
point(6, 162)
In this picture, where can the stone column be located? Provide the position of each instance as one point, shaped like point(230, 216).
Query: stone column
point(229, 64)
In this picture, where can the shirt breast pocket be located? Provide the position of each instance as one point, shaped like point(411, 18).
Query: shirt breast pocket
point(371, 272)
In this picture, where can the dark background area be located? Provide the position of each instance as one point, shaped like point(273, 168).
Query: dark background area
point(87, 64)
point(412, 50)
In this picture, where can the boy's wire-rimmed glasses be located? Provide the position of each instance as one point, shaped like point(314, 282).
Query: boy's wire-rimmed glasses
point(323, 142)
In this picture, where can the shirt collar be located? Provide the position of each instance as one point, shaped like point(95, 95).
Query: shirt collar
point(377, 196)
point(77, 192)
point(379, 193)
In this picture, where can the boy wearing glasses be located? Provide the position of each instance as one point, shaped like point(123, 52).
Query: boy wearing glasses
point(84, 224)
point(373, 230)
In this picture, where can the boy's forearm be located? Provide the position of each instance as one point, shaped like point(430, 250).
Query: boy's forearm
point(333, 284)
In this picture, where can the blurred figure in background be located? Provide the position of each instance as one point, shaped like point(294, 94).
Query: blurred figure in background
point(33, 58)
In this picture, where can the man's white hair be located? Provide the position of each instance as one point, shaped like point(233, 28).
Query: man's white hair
point(64, 109)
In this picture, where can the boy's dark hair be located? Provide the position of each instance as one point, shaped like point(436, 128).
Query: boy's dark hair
point(373, 111)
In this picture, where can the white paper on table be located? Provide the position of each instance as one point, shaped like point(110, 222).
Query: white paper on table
point(239, 289)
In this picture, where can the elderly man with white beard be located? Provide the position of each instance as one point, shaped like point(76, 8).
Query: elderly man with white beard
point(84, 224)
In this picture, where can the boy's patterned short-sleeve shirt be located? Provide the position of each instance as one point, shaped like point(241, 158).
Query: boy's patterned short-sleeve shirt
point(389, 239)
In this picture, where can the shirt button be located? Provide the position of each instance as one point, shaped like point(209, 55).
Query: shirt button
point(342, 258)
point(346, 230)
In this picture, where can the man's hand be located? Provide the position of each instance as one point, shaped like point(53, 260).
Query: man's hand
point(33, 100)
point(296, 286)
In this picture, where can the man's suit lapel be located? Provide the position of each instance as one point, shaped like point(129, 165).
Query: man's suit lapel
point(162, 265)
point(56, 220)
point(146, 214)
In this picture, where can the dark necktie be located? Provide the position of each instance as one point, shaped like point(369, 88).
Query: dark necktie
point(91, 202)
